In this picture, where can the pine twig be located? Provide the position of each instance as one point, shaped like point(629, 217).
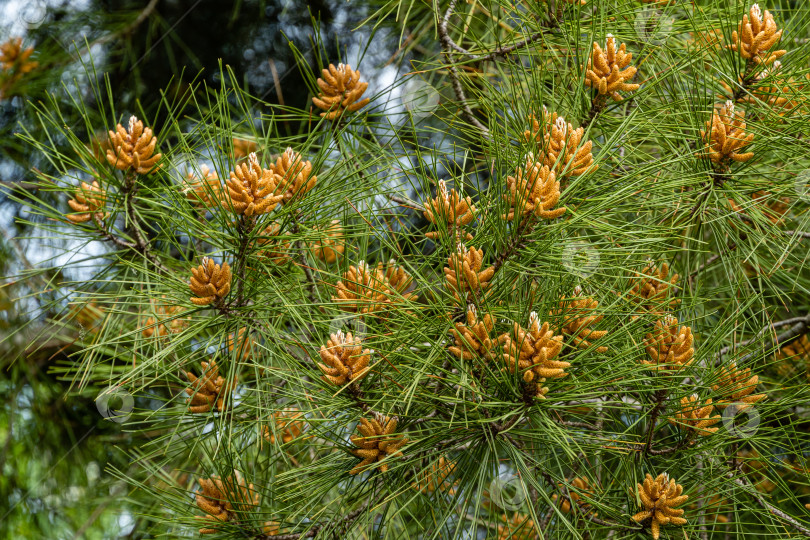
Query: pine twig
point(245, 226)
point(659, 398)
point(448, 45)
point(798, 325)
point(748, 488)
point(134, 228)
point(406, 202)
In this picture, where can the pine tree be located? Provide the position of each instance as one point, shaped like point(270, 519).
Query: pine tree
point(329, 350)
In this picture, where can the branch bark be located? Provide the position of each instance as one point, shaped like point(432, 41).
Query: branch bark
point(748, 488)
point(448, 45)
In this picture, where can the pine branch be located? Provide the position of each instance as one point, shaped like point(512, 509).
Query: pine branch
point(244, 229)
point(798, 326)
point(751, 490)
point(448, 45)
point(134, 229)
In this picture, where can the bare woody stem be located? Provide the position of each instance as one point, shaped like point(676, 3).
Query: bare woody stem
point(659, 398)
point(589, 515)
point(245, 228)
point(798, 326)
point(304, 262)
point(133, 226)
point(356, 394)
point(711, 260)
point(800, 234)
point(702, 532)
point(748, 488)
point(448, 45)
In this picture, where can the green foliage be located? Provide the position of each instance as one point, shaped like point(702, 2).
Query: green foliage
point(735, 232)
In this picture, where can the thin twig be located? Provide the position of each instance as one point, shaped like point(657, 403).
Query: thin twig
point(448, 45)
point(702, 532)
point(245, 228)
point(798, 326)
point(514, 244)
point(407, 203)
point(793, 332)
point(659, 398)
point(800, 234)
point(584, 425)
point(711, 260)
point(743, 482)
point(134, 228)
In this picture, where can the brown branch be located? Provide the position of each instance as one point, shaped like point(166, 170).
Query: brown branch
point(586, 512)
point(702, 532)
point(245, 227)
point(312, 284)
point(514, 244)
point(748, 78)
point(498, 52)
point(448, 45)
point(687, 441)
point(308, 276)
point(504, 51)
point(659, 399)
point(743, 483)
point(133, 225)
point(497, 427)
point(357, 397)
point(711, 260)
point(798, 325)
point(793, 332)
point(584, 425)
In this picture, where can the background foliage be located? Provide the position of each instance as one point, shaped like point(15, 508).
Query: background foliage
point(78, 305)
